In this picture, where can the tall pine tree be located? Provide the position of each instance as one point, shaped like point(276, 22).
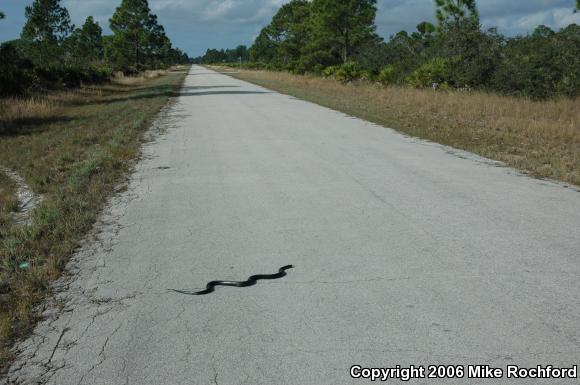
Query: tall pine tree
point(284, 39)
point(47, 26)
point(138, 40)
point(86, 43)
point(344, 25)
point(159, 45)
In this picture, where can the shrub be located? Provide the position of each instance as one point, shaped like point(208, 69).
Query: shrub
point(347, 72)
point(435, 71)
point(569, 84)
point(297, 67)
point(65, 76)
point(330, 71)
point(273, 67)
point(15, 71)
point(318, 69)
point(367, 75)
point(387, 75)
point(253, 65)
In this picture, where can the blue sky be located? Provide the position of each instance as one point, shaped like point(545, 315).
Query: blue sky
point(194, 25)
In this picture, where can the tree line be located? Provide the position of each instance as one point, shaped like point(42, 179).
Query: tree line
point(240, 53)
point(51, 52)
point(338, 38)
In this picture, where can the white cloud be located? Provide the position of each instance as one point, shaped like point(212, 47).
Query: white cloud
point(523, 23)
point(396, 15)
point(511, 17)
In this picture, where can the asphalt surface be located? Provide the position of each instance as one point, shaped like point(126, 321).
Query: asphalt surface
point(405, 252)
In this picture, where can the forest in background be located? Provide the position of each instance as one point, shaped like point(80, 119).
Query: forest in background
point(52, 53)
point(338, 39)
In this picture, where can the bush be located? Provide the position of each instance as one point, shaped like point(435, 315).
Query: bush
point(329, 72)
point(435, 71)
point(347, 72)
point(569, 85)
point(96, 74)
point(253, 65)
point(64, 76)
point(387, 75)
point(318, 69)
point(272, 67)
point(367, 75)
point(16, 75)
point(297, 67)
point(540, 66)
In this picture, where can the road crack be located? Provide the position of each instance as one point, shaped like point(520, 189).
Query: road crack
point(102, 356)
point(62, 333)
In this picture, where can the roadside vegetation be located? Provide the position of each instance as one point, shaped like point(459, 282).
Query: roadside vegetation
point(74, 108)
point(53, 54)
point(538, 137)
point(338, 39)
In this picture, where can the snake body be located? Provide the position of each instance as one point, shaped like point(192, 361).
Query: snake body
point(210, 288)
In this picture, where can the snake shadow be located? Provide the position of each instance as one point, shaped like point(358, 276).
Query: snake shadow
point(210, 287)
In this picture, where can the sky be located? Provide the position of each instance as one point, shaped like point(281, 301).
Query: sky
point(195, 25)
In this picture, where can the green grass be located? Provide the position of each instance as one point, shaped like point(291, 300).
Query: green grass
point(75, 155)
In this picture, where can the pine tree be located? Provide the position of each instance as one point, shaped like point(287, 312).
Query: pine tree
point(86, 43)
point(459, 27)
point(425, 28)
point(47, 26)
point(290, 29)
point(129, 41)
point(159, 45)
point(139, 41)
point(456, 11)
point(344, 24)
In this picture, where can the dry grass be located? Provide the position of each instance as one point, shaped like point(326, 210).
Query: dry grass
point(137, 80)
point(541, 138)
point(15, 112)
point(74, 148)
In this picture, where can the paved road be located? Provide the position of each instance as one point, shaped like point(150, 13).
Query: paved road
point(406, 252)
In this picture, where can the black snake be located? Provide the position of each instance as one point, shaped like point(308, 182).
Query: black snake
point(210, 288)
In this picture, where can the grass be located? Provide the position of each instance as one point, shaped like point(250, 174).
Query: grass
point(540, 138)
point(15, 113)
point(132, 80)
point(8, 201)
point(74, 148)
